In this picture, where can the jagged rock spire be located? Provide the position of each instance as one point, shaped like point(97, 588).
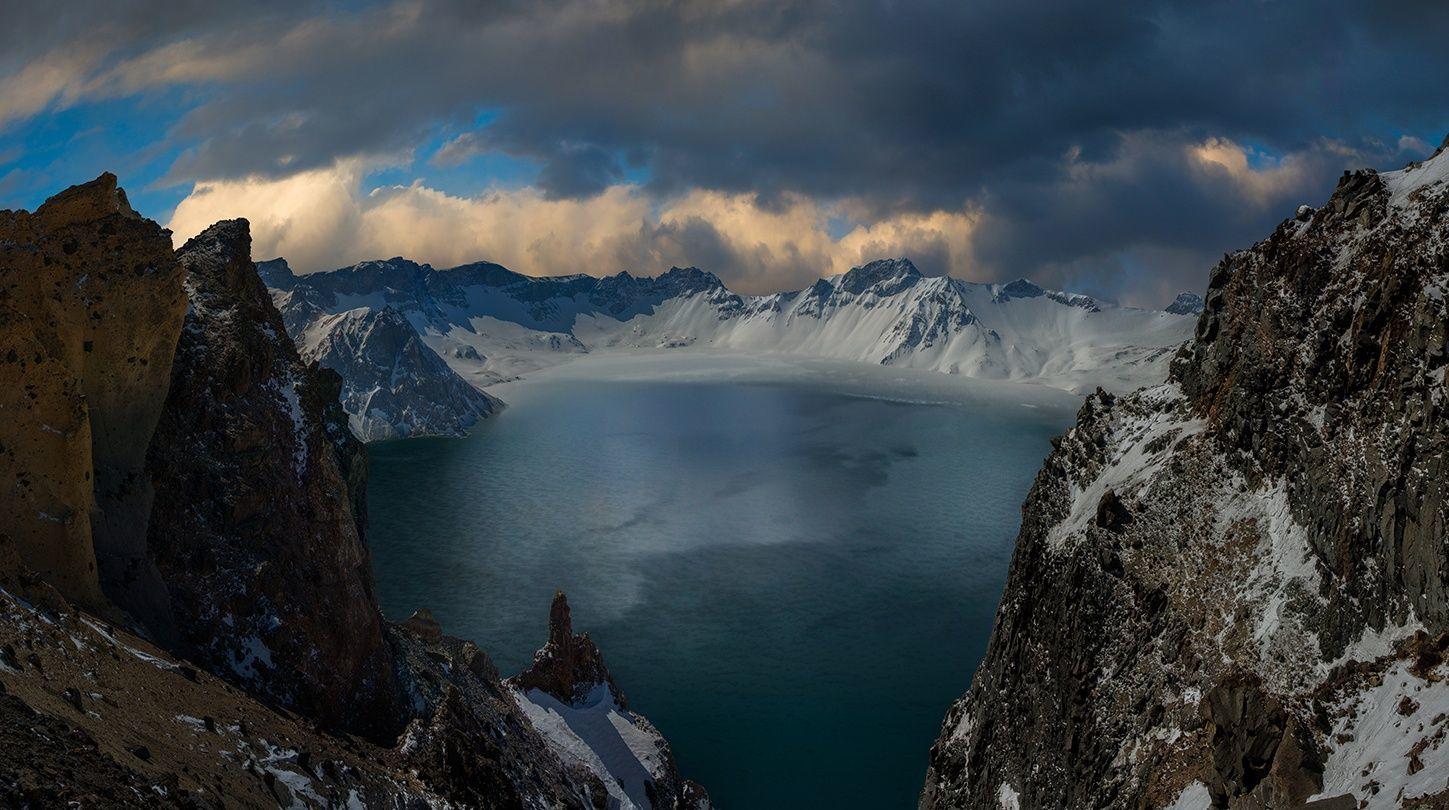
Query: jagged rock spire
point(569, 666)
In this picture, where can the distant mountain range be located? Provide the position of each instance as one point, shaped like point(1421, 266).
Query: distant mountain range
point(489, 324)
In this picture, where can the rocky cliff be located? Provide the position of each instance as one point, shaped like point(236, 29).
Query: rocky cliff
point(147, 574)
point(1229, 590)
point(90, 309)
point(254, 530)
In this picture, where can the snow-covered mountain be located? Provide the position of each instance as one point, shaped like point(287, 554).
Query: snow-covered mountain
point(489, 324)
point(394, 386)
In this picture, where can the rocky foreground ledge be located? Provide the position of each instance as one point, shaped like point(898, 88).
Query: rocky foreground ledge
point(187, 612)
point(1232, 589)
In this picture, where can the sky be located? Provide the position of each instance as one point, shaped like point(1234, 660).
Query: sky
point(1117, 149)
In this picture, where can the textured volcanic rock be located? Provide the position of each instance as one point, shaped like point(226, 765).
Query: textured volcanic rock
point(1223, 586)
point(468, 737)
point(568, 666)
point(90, 306)
point(254, 528)
point(251, 565)
point(572, 700)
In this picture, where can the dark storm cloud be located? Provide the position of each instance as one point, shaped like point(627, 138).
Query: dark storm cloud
point(1002, 107)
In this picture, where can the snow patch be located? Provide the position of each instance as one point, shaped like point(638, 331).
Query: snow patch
point(596, 733)
point(1193, 797)
point(1389, 742)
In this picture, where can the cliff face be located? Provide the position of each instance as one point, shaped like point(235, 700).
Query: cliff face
point(1230, 589)
point(90, 306)
point(254, 528)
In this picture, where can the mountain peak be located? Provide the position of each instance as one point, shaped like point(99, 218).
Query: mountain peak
point(688, 280)
point(889, 276)
point(1186, 303)
point(1021, 288)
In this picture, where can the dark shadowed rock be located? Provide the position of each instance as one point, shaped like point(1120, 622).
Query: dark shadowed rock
point(254, 528)
point(569, 665)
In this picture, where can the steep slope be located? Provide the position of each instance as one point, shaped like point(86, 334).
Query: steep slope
point(90, 309)
point(1231, 589)
point(259, 574)
point(489, 323)
point(393, 385)
point(254, 529)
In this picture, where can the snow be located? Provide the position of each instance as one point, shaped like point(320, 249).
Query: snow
point(293, 402)
point(1404, 183)
point(1381, 731)
point(596, 733)
point(1375, 644)
point(1132, 464)
point(244, 662)
point(1193, 797)
point(1007, 798)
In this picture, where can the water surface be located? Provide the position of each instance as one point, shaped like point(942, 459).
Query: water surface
point(791, 567)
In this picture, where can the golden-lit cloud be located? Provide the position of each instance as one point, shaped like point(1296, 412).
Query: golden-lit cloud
point(1258, 183)
point(322, 219)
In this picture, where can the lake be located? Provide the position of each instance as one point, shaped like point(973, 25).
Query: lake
point(791, 566)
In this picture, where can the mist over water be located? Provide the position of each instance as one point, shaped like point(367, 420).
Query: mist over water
point(791, 567)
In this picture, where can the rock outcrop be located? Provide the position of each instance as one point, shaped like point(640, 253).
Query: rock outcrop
point(90, 309)
point(1230, 589)
point(567, 667)
point(572, 700)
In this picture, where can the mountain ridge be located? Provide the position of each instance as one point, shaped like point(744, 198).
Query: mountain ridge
point(490, 324)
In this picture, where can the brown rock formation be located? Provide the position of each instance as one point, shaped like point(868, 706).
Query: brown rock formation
point(255, 529)
point(91, 303)
point(569, 665)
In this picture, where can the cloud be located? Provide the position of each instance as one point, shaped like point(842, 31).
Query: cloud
point(1116, 147)
point(1137, 223)
point(1151, 216)
point(320, 219)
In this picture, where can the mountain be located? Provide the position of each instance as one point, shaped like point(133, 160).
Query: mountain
point(1229, 589)
point(187, 610)
point(393, 385)
point(489, 323)
point(1187, 303)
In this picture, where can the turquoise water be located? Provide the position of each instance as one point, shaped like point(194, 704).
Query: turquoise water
point(791, 568)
